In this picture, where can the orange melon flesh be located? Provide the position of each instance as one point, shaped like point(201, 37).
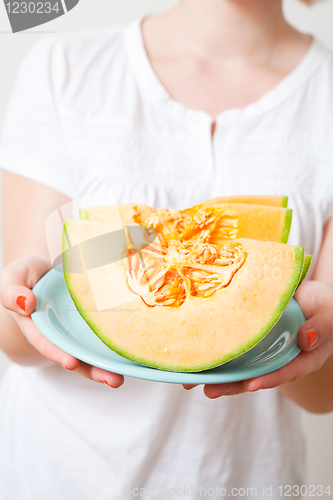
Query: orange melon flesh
point(202, 332)
point(123, 212)
point(272, 200)
point(126, 211)
point(230, 220)
point(257, 222)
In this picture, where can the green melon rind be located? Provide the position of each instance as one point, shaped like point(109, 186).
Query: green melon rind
point(88, 215)
point(284, 202)
point(306, 267)
point(285, 299)
point(287, 225)
point(92, 217)
point(82, 213)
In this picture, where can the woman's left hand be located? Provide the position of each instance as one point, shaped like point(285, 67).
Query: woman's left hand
point(315, 339)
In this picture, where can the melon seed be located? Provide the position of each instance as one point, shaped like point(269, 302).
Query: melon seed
point(225, 253)
point(150, 273)
point(204, 286)
point(135, 262)
point(198, 274)
point(169, 302)
point(222, 261)
point(206, 254)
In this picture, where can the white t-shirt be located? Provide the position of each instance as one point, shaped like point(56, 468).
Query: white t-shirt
point(88, 113)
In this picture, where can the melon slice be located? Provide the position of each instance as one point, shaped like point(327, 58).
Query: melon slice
point(272, 200)
point(306, 267)
point(182, 305)
point(126, 211)
point(222, 221)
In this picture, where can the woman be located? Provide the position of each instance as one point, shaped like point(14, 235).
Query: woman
point(214, 97)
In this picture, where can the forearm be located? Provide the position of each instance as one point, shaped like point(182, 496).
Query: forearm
point(15, 345)
point(314, 392)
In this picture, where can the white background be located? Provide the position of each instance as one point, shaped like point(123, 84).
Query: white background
point(88, 14)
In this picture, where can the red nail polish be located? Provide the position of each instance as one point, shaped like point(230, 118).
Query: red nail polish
point(67, 368)
point(20, 301)
point(106, 383)
point(312, 336)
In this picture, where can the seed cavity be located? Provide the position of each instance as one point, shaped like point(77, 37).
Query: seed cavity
point(192, 255)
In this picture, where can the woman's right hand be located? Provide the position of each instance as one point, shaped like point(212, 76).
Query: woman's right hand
point(17, 298)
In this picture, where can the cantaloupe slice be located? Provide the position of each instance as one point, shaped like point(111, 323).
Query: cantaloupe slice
point(126, 211)
point(235, 220)
point(271, 200)
point(183, 306)
point(224, 221)
point(306, 267)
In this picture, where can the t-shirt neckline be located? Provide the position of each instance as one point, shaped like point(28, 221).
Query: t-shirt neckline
point(155, 90)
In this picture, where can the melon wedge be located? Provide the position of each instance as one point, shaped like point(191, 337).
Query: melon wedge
point(306, 267)
point(224, 221)
point(257, 222)
point(272, 200)
point(175, 308)
point(126, 211)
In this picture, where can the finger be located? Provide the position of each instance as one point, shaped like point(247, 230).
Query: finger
point(302, 365)
point(19, 299)
point(44, 346)
point(53, 353)
point(17, 279)
point(314, 296)
point(316, 332)
point(96, 374)
point(25, 272)
point(188, 386)
point(213, 391)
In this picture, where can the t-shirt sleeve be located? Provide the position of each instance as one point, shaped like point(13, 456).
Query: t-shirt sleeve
point(32, 142)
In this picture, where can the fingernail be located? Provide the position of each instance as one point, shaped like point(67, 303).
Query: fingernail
point(67, 368)
point(106, 383)
point(20, 301)
point(188, 387)
point(312, 336)
point(252, 388)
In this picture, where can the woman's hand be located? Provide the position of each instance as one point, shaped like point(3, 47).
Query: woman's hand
point(315, 338)
point(16, 282)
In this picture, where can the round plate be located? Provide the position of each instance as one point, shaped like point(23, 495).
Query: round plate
point(59, 321)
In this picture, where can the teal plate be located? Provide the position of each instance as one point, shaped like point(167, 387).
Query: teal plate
point(59, 321)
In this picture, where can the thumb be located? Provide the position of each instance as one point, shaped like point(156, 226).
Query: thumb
point(17, 279)
point(18, 299)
